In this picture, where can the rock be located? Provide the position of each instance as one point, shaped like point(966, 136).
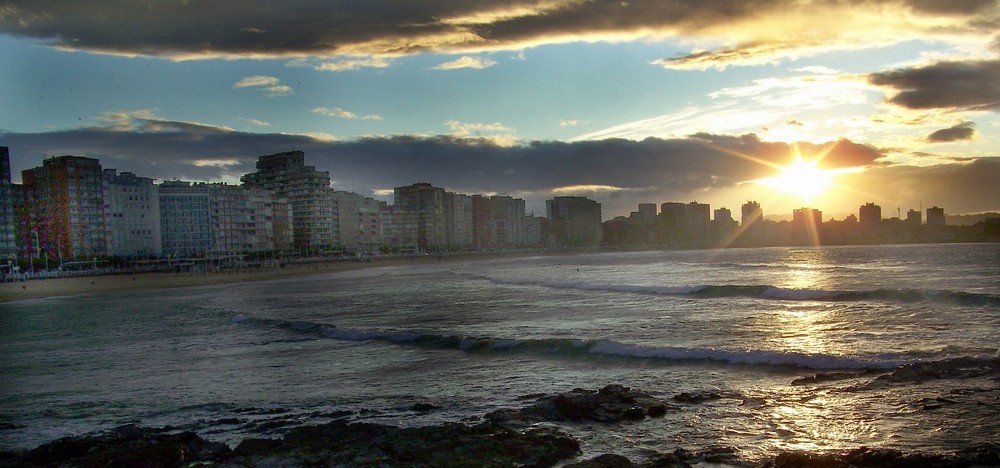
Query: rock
point(611, 404)
point(608, 460)
point(424, 407)
point(697, 397)
point(128, 446)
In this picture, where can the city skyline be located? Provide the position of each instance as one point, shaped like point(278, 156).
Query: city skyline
point(623, 103)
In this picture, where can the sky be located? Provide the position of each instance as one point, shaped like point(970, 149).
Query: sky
point(894, 102)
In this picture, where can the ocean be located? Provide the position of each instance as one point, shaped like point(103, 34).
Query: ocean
point(817, 349)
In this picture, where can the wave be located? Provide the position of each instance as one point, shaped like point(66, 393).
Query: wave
point(905, 295)
point(574, 348)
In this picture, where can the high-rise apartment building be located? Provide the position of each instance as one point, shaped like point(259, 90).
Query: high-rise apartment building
point(870, 215)
point(307, 191)
point(423, 204)
point(506, 221)
point(220, 219)
point(574, 221)
point(458, 210)
point(935, 216)
point(8, 239)
point(358, 221)
point(185, 219)
point(67, 196)
point(133, 215)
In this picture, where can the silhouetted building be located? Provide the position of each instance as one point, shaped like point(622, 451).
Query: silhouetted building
point(673, 222)
point(913, 218)
point(307, 191)
point(869, 215)
point(723, 224)
point(807, 225)
point(752, 222)
point(935, 216)
point(574, 221)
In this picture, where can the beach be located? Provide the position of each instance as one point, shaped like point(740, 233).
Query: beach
point(72, 286)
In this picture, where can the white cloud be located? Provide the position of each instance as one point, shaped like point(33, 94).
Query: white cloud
point(254, 122)
point(350, 64)
point(467, 62)
point(269, 84)
point(569, 122)
point(344, 114)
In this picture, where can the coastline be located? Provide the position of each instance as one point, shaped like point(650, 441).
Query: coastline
point(72, 286)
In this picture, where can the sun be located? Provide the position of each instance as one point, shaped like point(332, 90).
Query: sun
point(803, 179)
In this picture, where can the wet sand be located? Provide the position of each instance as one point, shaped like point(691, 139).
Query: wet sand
point(54, 287)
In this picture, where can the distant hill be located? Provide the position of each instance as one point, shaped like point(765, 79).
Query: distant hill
point(969, 219)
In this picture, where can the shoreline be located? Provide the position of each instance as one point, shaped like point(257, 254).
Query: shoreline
point(77, 285)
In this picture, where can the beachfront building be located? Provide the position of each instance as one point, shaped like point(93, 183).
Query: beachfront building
point(66, 197)
point(506, 221)
point(8, 244)
point(185, 219)
point(458, 211)
point(133, 215)
point(420, 208)
point(217, 220)
point(308, 193)
point(574, 221)
point(357, 221)
point(751, 223)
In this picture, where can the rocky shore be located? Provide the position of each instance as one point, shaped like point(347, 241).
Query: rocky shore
point(527, 436)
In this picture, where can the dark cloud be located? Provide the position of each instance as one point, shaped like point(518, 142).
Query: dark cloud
point(968, 186)
point(673, 168)
point(973, 85)
point(962, 131)
point(313, 27)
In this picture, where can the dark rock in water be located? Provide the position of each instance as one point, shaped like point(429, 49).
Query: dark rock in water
point(697, 397)
point(611, 404)
point(340, 443)
point(127, 446)
point(424, 407)
point(608, 460)
point(825, 377)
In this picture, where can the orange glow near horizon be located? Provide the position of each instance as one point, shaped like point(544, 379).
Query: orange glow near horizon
point(804, 178)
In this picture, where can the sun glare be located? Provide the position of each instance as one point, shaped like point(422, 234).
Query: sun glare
point(803, 179)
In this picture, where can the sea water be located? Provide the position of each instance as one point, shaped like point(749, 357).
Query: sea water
point(800, 348)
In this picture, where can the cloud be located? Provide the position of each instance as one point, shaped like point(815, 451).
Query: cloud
point(254, 122)
point(962, 131)
point(350, 64)
point(343, 114)
point(466, 62)
point(970, 85)
point(569, 122)
point(727, 32)
point(269, 84)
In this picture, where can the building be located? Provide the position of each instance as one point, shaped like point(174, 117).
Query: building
point(535, 230)
point(133, 209)
point(673, 224)
point(914, 219)
point(422, 208)
point(67, 196)
point(935, 216)
point(723, 224)
point(242, 219)
point(185, 219)
point(458, 212)
point(506, 222)
point(358, 221)
point(697, 222)
point(870, 216)
point(307, 192)
point(574, 221)
point(8, 238)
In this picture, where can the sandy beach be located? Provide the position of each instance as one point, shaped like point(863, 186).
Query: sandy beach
point(54, 287)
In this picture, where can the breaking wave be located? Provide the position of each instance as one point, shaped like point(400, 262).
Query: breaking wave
point(572, 348)
point(769, 292)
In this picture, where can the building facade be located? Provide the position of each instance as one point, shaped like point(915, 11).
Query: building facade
point(185, 219)
point(67, 196)
point(422, 206)
point(8, 237)
point(308, 193)
point(574, 221)
point(133, 209)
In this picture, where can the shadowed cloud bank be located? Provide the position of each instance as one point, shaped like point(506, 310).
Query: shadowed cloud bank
point(617, 172)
